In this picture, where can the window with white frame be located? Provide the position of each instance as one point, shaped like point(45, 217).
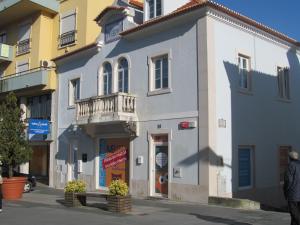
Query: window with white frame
point(160, 72)
point(74, 91)
point(22, 67)
point(155, 8)
point(23, 45)
point(107, 79)
point(3, 38)
point(123, 75)
point(283, 81)
point(245, 167)
point(244, 72)
point(67, 28)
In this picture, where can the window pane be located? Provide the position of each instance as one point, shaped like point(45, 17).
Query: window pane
point(151, 8)
point(126, 81)
point(77, 88)
point(107, 79)
point(120, 81)
point(158, 7)
point(244, 167)
point(165, 73)
point(157, 74)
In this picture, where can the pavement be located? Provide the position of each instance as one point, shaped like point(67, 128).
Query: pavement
point(44, 206)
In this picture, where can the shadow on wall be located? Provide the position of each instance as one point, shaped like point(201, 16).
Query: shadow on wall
point(64, 154)
point(206, 155)
point(214, 219)
point(253, 114)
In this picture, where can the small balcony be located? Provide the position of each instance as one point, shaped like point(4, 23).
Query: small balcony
point(67, 38)
point(27, 79)
point(103, 109)
point(23, 47)
point(6, 52)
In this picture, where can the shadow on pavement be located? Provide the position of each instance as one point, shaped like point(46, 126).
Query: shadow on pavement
point(221, 220)
point(101, 206)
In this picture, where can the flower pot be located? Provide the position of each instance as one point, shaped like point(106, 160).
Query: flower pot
point(12, 188)
point(72, 200)
point(119, 204)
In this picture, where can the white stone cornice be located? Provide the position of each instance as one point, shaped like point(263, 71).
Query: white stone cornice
point(248, 28)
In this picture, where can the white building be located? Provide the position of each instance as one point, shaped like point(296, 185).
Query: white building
point(184, 100)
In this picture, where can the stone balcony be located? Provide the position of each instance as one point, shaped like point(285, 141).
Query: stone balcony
point(119, 107)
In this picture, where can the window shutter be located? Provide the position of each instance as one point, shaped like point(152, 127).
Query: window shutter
point(22, 66)
point(24, 32)
point(68, 22)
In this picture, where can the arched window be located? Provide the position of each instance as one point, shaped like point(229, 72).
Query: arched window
point(123, 75)
point(107, 78)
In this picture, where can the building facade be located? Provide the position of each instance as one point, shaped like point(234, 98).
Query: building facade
point(181, 100)
point(31, 34)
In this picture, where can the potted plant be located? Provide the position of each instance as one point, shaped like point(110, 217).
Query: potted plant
point(14, 146)
point(71, 190)
point(118, 199)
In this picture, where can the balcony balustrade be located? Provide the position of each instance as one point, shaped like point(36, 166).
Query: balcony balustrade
point(115, 107)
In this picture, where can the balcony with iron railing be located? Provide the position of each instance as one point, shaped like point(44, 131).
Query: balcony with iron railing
point(23, 47)
point(101, 109)
point(67, 38)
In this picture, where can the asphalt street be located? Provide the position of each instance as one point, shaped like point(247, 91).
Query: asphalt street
point(44, 206)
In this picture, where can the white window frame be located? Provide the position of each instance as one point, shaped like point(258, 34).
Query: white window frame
point(22, 62)
point(252, 169)
point(244, 72)
point(155, 9)
point(29, 23)
point(61, 16)
point(283, 83)
point(72, 89)
point(103, 75)
point(122, 71)
point(151, 66)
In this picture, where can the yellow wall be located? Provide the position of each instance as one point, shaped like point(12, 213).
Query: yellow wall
point(87, 28)
point(45, 33)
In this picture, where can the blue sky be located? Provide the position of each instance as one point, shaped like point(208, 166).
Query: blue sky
point(282, 15)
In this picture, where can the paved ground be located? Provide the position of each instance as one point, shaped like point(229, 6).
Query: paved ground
point(43, 207)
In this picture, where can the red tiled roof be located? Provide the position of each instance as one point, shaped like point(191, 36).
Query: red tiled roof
point(137, 4)
point(197, 4)
point(107, 9)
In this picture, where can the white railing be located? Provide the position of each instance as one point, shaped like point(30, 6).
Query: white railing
point(103, 105)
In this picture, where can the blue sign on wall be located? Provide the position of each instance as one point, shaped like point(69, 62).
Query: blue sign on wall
point(38, 126)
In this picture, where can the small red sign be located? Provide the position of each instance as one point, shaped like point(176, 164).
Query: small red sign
point(184, 125)
point(115, 159)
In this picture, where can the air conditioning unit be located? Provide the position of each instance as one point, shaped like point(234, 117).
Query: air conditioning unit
point(46, 63)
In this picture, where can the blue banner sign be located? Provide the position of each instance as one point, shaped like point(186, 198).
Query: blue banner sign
point(38, 126)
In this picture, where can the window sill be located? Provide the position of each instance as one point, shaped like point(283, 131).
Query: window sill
point(71, 107)
point(22, 53)
point(284, 100)
point(68, 45)
point(245, 188)
point(245, 91)
point(159, 92)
